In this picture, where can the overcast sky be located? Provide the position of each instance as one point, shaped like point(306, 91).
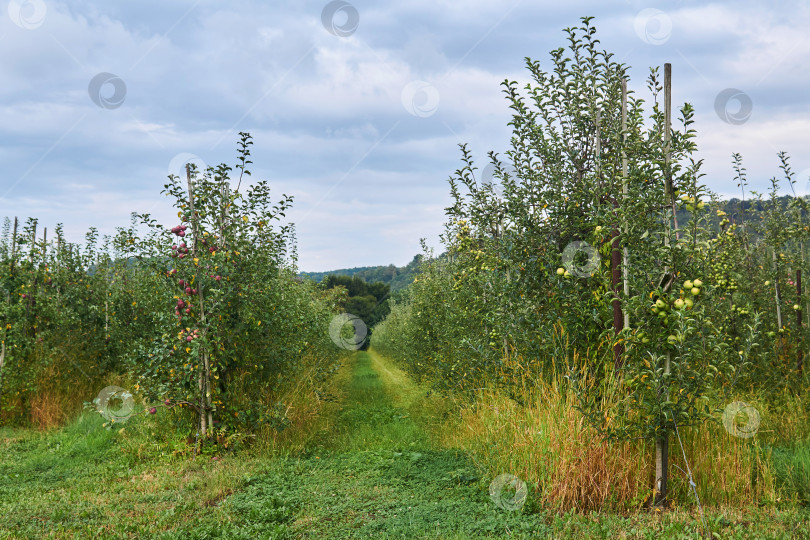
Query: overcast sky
point(356, 108)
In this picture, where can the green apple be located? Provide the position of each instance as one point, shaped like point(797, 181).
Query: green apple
point(698, 283)
point(560, 271)
point(687, 284)
point(660, 304)
point(695, 291)
point(679, 303)
point(689, 303)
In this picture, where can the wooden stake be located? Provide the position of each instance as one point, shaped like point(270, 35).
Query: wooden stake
point(615, 255)
point(776, 290)
point(625, 257)
point(2, 361)
point(800, 351)
point(662, 441)
point(13, 246)
point(204, 379)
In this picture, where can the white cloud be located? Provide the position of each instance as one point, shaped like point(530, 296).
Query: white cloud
point(324, 108)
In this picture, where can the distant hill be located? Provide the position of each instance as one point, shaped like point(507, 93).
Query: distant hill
point(398, 277)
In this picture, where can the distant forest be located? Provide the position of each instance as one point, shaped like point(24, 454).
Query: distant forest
point(738, 211)
point(397, 277)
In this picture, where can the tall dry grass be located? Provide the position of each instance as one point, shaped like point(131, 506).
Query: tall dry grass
point(551, 446)
point(309, 406)
point(548, 444)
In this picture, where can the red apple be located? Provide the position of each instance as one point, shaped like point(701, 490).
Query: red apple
point(152, 410)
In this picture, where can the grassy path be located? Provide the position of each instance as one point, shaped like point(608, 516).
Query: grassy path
point(378, 475)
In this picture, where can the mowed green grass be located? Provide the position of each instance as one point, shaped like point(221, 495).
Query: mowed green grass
point(371, 471)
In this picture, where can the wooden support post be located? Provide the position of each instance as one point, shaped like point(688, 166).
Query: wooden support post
point(800, 345)
point(662, 441)
point(777, 292)
point(2, 362)
point(625, 256)
point(13, 246)
point(204, 379)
